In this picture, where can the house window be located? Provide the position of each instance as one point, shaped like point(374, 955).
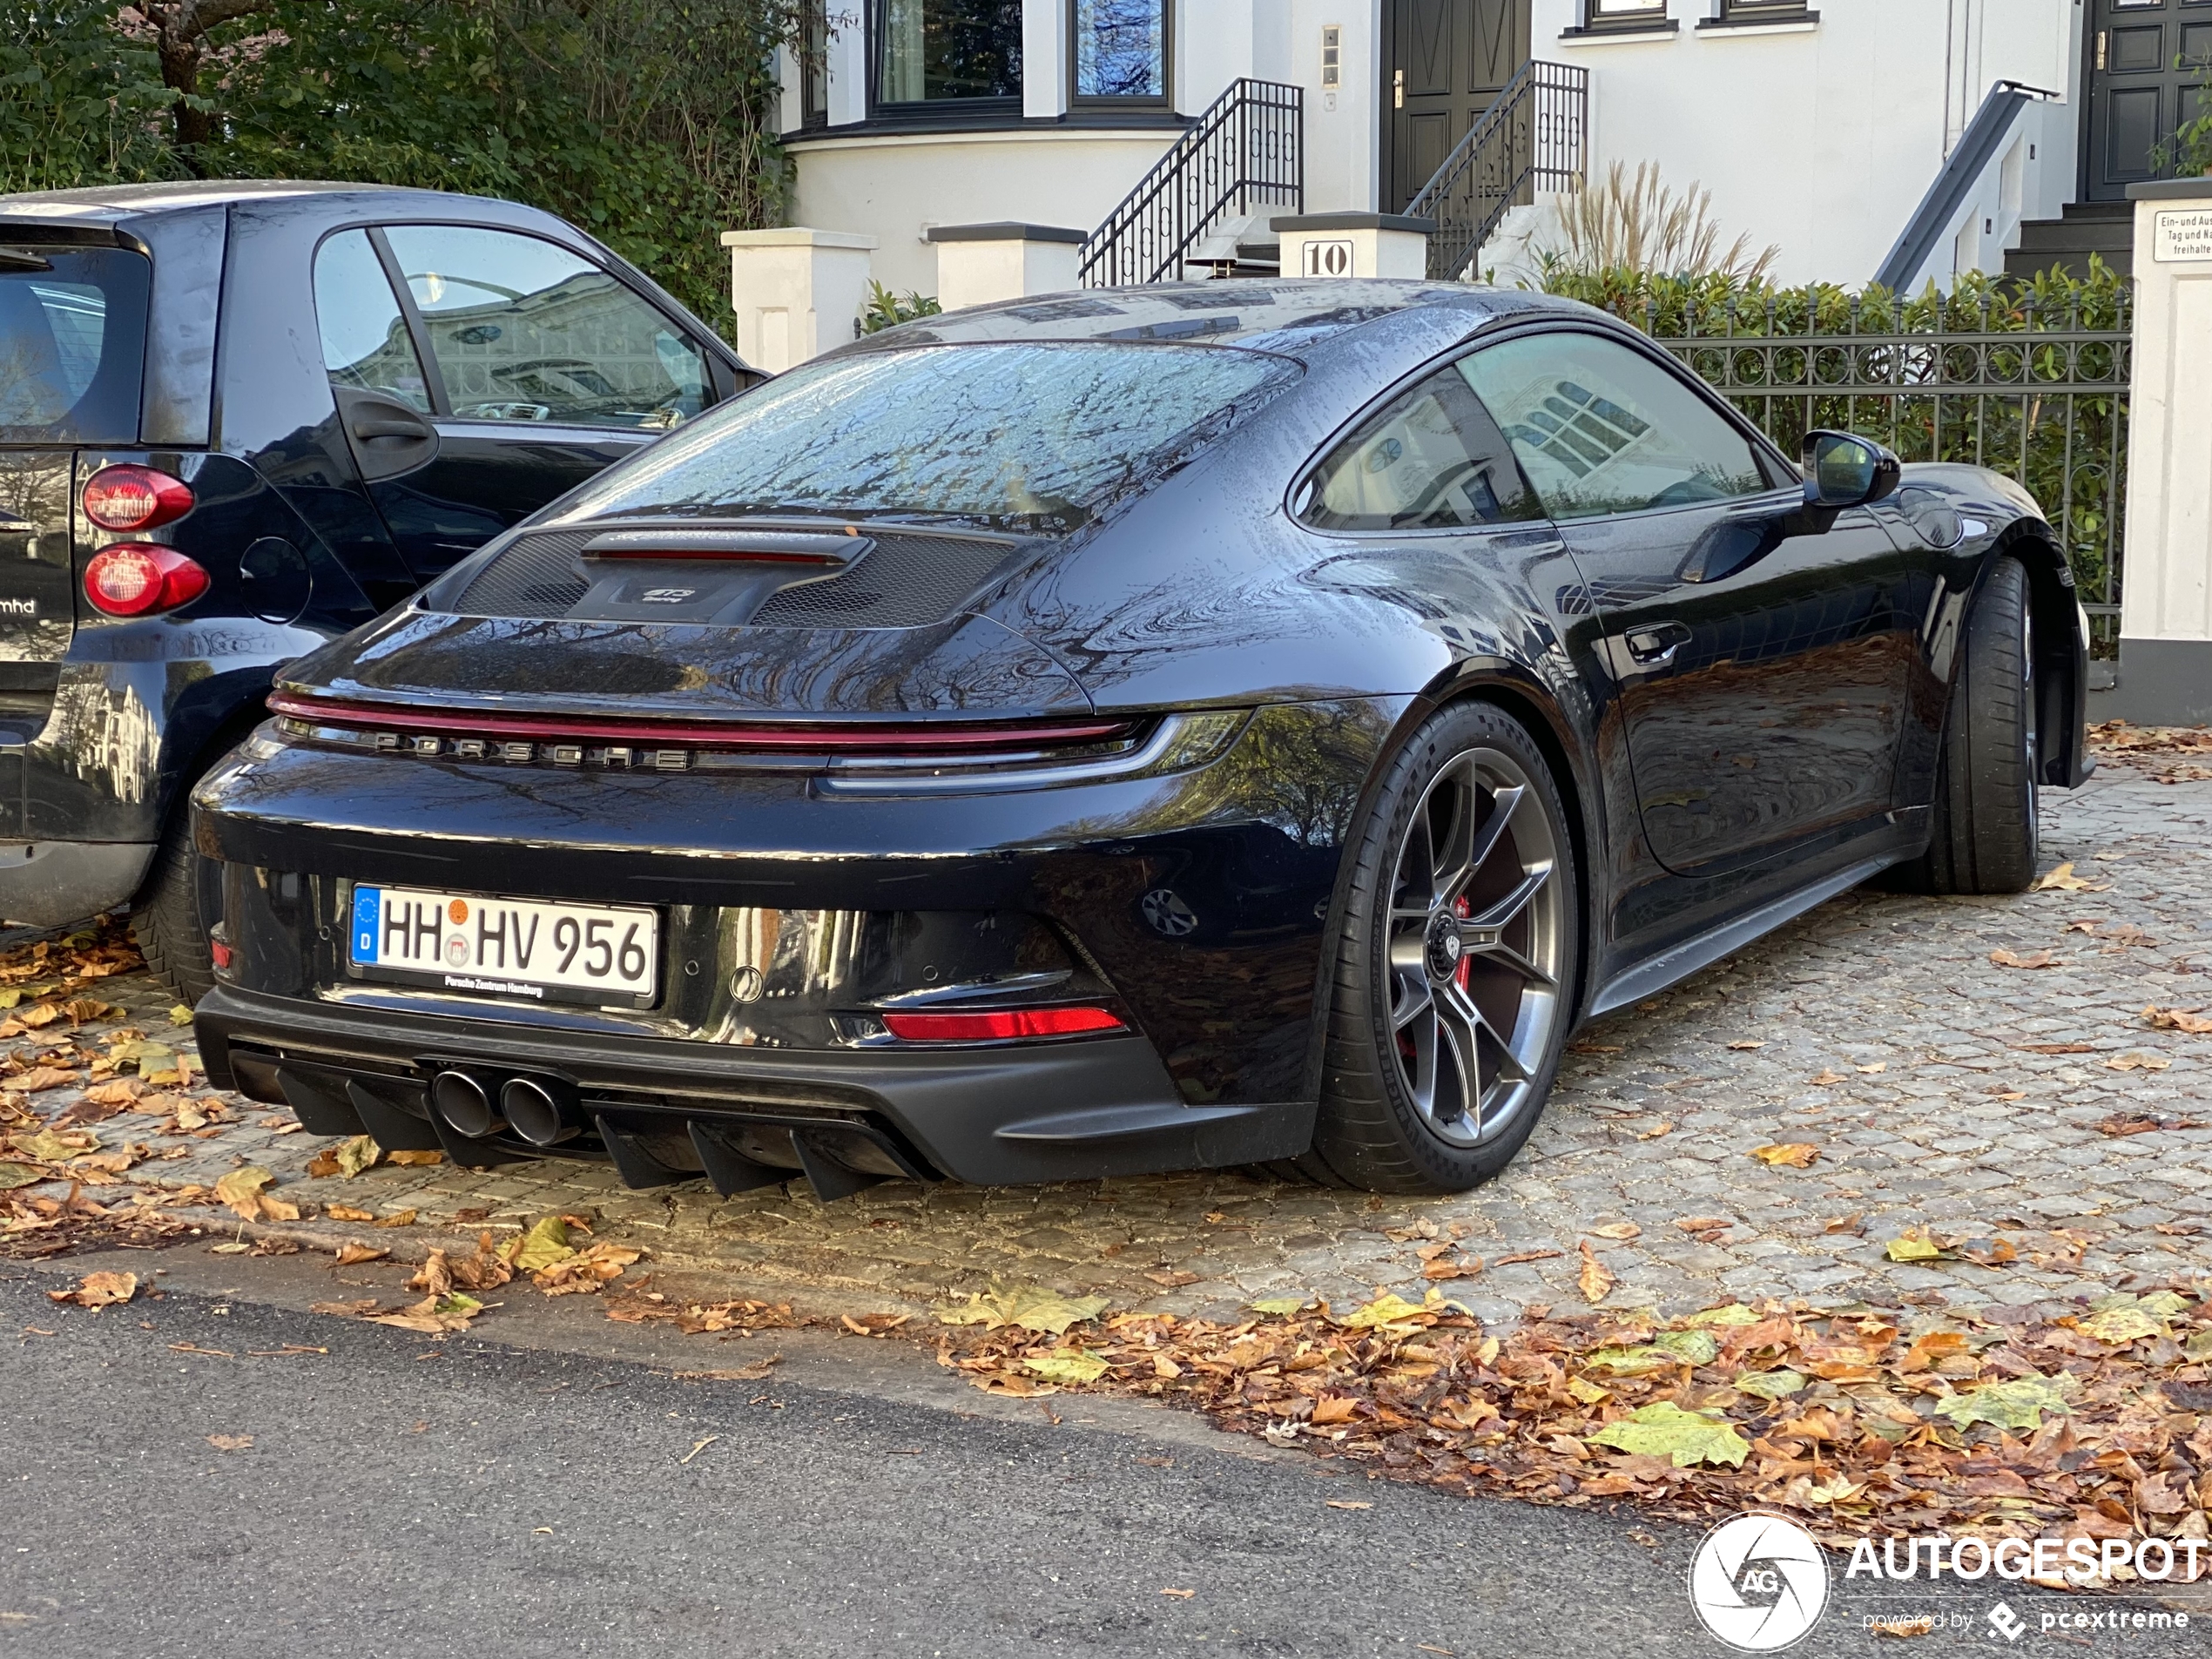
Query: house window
point(1757, 11)
point(814, 64)
point(946, 51)
point(1624, 14)
point(1118, 49)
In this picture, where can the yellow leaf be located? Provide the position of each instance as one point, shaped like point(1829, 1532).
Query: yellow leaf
point(546, 1242)
point(1386, 1310)
point(1068, 1365)
point(354, 1155)
point(2063, 879)
point(241, 1189)
point(180, 1014)
point(1913, 1246)
point(18, 1175)
point(2120, 1325)
point(1031, 1306)
point(1586, 1390)
point(1664, 1429)
point(1796, 1155)
point(1278, 1306)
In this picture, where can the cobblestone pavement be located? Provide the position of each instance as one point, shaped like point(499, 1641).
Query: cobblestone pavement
point(1942, 1090)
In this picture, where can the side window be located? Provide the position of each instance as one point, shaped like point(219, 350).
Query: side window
point(1431, 459)
point(1600, 428)
point(522, 330)
point(366, 346)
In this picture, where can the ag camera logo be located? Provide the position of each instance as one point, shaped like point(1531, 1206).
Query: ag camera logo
point(1759, 1582)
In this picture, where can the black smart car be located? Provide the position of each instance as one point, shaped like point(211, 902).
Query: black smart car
point(237, 420)
point(1112, 732)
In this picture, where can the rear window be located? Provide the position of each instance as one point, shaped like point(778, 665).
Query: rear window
point(1024, 436)
point(72, 344)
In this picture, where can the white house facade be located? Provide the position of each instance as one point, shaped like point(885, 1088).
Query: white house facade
point(1904, 138)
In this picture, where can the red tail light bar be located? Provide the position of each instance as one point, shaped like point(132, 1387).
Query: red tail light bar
point(135, 499)
point(999, 1025)
point(908, 736)
point(141, 578)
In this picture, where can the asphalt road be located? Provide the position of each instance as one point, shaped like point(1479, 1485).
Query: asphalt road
point(408, 1496)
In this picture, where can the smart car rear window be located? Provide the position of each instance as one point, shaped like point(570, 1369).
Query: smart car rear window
point(1031, 436)
point(72, 344)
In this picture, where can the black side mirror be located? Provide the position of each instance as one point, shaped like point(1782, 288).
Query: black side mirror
point(1843, 470)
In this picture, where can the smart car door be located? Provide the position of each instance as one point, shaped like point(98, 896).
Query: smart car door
point(1762, 671)
point(481, 373)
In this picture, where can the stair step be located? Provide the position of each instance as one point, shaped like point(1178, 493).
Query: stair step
point(2122, 211)
point(2076, 236)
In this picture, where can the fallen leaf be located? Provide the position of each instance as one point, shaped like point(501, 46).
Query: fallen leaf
point(1332, 1409)
point(1032, 1307)
point(241, 1189)
point(1385, 1311)
point(352, 1255)
point(37, 1079)
point(1278, 1306)
point(2063, 879)
point(1664, 1429)
point(1068, 1365)
point(397, 1218)
point(1594, 1280)
point(545, 1244)
point(1796, 1155)
point(121, 1092)
point(19, 1174)
point(2138, 1061)
point(230, 1442)
point(1662, 1127)
point(2009, 959)
point(1703, 1223)
point(411, 1158)
point(1918, 1625)
point(2019, 1402)
point(1527, 1256)
point(1181, 1596)
point(1874, 1071)
point(1619, 1229)
point(2120, 1325)
point(1349, 1503)
point(180, 1014)
point(1771, 1385)
point(1829, 1078)
point(2191, 1020)
point(1174, 1278)
point(1747, 1042)
point(2122, 1124)
point(433, 1315)
point(347, 1212)
point(354, 1155)
point(588, 1269)
point(100, 1291)
point(1913, 1245)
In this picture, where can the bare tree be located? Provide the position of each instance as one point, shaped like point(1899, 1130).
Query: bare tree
point(180, 29)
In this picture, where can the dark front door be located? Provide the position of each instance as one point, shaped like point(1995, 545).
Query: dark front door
point(1444, 63)
point(2149, 61)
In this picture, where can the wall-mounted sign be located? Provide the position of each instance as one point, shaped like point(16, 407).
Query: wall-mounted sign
point(2182, 234)
point(1333, 258)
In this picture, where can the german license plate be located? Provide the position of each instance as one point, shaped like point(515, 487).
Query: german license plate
point(492, 946)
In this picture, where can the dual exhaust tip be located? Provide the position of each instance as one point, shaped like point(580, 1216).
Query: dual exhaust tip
point(542, 1110)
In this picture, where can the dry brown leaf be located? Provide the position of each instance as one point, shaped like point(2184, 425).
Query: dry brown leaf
point(230, 1442)
point(2124, 1123)
point(1703, 1223)
point(347, 1212)
point(2063, 879)
point(1596, 1280)
point(2138, 1061)
point(2192, 1021)
point(2033, 958)
point(1662, 1127)
point(407, 1158)
point(121, 1092)
point(1527, 1256)
point(1747, 1042)
point(38, 1078)
point(241, 1190)
point(352, 1255)
point(1829, 1078)
point(397, 1218)
point(1794, 1155)
point(100, 1291)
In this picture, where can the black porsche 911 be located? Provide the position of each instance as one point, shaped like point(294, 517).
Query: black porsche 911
point(1222, 723)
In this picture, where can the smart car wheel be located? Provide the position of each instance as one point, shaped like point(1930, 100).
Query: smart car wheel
point(165, 915)
point(1455, 965)
point(1985, 830)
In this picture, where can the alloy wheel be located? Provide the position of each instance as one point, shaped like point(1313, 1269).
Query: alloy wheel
point(1476, 948)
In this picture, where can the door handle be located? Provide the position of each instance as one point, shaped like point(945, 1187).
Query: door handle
point(369, 427)
point(1654, 644)
point(1398, 90)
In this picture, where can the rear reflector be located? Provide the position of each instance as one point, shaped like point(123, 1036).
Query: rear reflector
point(997, 1027)
point(810, 738)
point(135, 499)
point(140, 578)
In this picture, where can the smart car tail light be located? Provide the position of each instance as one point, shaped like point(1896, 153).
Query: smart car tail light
point(135, 499)
point(140, 579)
point(999, 1025)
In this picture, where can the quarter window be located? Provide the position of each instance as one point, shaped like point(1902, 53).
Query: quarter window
point(1601, 428)
point(1431, 459)
point(940, 51)
point(521, 330)
point(366, 346)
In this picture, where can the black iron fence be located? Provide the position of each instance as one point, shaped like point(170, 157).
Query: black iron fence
point(1533, 136)
point(1247, 151)
point(2036, 390)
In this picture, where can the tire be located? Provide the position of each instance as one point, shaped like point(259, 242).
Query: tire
point(165, 914)
point(1986, 831)
point(1397, 1115)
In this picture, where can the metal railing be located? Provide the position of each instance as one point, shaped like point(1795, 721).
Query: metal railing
point(2038, 391)
point(1248, 148)
point(1534, 136)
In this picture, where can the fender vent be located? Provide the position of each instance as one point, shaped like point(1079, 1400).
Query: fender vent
point(904, 581)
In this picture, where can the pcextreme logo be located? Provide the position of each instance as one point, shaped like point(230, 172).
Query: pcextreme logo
point(1759, 1582)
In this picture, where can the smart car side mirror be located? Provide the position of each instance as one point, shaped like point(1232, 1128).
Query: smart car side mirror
point(1844, 470)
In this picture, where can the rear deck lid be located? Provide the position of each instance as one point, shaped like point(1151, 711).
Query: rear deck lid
point(72, 354)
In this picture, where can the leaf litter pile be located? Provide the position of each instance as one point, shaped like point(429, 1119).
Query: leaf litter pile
point(2094, 1423)
point(2174, 754)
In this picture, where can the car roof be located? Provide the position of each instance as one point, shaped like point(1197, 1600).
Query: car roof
point(106, 202)
point(1278, 314)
